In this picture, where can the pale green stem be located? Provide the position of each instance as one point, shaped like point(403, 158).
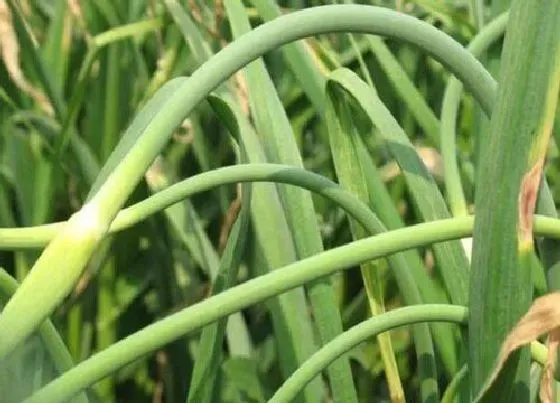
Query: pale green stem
point(50, 338)
point(361, 333)
point(449, 111)
point(33, 237)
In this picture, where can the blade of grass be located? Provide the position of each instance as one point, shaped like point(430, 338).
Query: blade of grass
point(453, 389)
point(109, 11)
point(499, 6)
point(208, 154)
point(85, 159)
point(298, 57)
point(210, 349)
point(107, 277)
point(278, 140)
point(360, 59)
point(167, 61)
point(7, 218)
point(382, 203)
point(56, 50)
point(412, 277)
point(505, 200)
point(350, 173)
point(186, 222)
point(111, 123)
point(33, 174)
point(292, 326)
point(451, 258)
point(406, 89)
point(202, 51)
point(184, 22)
point(106, 335)
point(414, 283)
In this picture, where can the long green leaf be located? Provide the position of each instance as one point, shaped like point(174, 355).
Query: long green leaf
point(298, 58)
point(293, 328)
point(506, 195)
point(205, 371)
point(406, 90)
point(279, 142)
point(412, 277)
point(450, 255)
point(56, 49)
point(198, 45)
point(351, 175)
point(202, 53)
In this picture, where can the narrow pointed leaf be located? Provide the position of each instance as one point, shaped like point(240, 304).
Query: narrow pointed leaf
point(279, 141)
point(292, 325)
point(350, 173)
point(506, 194)
point(450, 255)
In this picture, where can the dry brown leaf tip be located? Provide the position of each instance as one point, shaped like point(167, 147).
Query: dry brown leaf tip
point(546, 392)
point(543, 317)
point(9, 52)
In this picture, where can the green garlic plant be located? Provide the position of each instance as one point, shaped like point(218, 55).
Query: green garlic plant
point(322, 117)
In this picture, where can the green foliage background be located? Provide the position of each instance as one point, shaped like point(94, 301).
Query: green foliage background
point(85, 69)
